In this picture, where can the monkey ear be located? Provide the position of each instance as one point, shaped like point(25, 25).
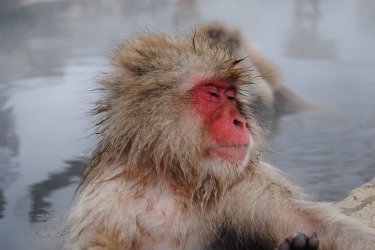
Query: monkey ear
point(142, 55)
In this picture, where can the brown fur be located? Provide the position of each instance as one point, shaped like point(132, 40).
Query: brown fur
point(147, 184)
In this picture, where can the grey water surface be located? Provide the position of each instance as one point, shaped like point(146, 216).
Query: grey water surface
point(51, 53)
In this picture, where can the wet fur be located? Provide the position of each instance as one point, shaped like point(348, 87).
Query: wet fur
point(148, 184)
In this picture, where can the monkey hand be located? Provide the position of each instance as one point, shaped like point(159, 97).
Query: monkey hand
point(299, 241)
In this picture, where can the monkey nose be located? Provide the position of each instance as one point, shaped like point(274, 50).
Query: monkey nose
point(239, 122)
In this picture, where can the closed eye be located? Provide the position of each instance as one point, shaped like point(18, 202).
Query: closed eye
point(231, 94)
point(214, 95)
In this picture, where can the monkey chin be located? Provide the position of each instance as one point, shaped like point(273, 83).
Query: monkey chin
point(235, 154)
point(231, 157)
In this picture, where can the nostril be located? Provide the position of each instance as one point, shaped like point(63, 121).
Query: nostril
point(237, 123)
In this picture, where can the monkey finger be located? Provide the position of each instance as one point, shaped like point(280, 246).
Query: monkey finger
point(285, 245)
point(299, 241)
point(313, 242)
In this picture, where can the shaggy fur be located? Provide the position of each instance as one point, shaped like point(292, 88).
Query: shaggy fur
point(149, 184)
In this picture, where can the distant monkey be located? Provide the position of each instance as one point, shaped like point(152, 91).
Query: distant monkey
point(177, 160)
point(269, 94)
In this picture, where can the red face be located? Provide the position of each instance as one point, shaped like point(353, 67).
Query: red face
point(215, 102)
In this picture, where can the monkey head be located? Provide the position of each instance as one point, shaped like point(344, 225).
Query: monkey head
point(177, 104)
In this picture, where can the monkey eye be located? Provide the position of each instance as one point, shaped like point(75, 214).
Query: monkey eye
point(213, 91)
point(231, 95)
point(214, 95)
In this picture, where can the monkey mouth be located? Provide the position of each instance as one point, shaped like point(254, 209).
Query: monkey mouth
point(234, 145)
point(235, 153)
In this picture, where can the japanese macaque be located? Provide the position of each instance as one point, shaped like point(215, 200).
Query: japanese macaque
point(178, 160)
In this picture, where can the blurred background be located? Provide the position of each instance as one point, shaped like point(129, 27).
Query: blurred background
point(52, 51)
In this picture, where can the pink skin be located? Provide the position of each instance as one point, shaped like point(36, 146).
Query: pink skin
point(215, 102)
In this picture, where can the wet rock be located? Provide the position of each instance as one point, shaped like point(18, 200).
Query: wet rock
point(360, 203)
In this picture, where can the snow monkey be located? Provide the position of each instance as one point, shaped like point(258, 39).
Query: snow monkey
point(178, 162)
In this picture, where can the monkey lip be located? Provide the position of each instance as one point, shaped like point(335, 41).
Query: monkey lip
point(235, 153)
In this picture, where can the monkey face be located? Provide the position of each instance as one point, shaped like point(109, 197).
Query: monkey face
point(215, 103)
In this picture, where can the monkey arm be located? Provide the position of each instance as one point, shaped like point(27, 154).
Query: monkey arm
point(269, 208)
